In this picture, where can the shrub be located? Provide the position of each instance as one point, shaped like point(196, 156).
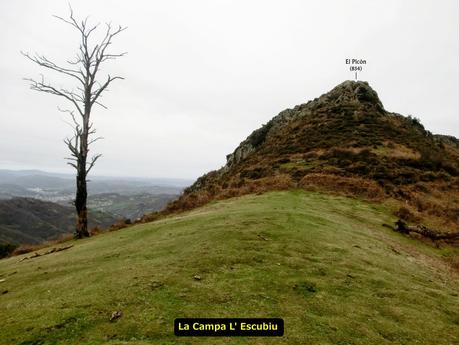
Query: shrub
point(405, 214)
point(6, 249)
point(259, 136)
point(96, 230)
point(120, 224)
point(414, 121)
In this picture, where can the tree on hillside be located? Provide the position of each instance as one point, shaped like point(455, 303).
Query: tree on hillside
point(84, 72)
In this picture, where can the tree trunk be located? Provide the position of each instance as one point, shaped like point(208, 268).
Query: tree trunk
point(80, 204)
point(81, 190)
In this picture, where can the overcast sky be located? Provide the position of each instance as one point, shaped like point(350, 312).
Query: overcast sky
point(202, 75)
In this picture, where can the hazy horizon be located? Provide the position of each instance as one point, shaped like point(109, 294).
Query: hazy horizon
point(201, 76)
point(71, 175)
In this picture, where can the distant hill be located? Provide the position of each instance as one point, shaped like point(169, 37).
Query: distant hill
point(344, 142)
point(31, 221)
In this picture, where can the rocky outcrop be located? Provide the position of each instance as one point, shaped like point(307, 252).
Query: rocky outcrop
point(353, 94)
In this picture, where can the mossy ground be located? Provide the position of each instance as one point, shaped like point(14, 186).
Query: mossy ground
point(325, 264)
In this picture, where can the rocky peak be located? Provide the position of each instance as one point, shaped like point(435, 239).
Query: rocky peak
point(355, 96)
point(351, 93)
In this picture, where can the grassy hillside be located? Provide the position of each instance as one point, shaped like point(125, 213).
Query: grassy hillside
point(324, 264)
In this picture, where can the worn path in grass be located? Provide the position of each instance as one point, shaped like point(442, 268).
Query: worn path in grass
point(325, 264)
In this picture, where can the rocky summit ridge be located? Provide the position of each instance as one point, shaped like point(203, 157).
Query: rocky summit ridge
point(357, 95)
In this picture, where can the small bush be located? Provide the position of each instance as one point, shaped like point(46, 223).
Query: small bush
point(405, 214)
point(120, 224)
point(96, 231)
point(414, 121)
point(6, 249)
point(258, 136)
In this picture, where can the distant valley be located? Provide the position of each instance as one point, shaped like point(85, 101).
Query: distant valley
point(36, 206)
point(130, 206)
point(60, 188)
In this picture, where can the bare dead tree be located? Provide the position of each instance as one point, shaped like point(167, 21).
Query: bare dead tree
point(83, 70)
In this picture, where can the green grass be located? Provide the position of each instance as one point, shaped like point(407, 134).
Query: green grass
point(322, 263)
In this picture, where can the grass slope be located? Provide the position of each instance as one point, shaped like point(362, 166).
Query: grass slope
point(324, 264)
